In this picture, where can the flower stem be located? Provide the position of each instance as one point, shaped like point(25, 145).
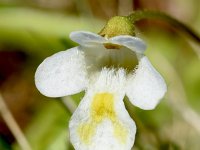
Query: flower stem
point(13, 126)
point(145, 14)
point(69, 103)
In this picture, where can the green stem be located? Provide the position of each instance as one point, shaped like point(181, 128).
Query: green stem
point(145, 14)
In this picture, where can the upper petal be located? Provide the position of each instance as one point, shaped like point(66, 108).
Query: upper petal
point(146, 87)
point(86, 38)
point(62, 74)
point(101, 121)
point(134, 43)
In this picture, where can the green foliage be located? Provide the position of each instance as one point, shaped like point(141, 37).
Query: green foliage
point(4, 145)
point(40, 33)
point(48, 128)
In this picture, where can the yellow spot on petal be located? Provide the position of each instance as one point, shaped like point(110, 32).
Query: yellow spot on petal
point(102, 107)
point(86, 131)
point(120, 132)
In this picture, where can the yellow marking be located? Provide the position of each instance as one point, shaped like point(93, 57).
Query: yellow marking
point(120, 132)
point(102, 107)
point(86, 131)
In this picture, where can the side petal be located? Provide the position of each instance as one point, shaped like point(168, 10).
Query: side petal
point(146, 87)
point(134, 43)
point(86, 38)
point(61, 74)
point(101, 121)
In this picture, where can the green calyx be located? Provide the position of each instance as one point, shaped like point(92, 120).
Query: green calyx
point(118, 25)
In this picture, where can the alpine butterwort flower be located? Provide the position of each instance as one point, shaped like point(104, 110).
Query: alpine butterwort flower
point(103, 66)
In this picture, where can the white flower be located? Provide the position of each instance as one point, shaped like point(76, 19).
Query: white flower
point(103, 68)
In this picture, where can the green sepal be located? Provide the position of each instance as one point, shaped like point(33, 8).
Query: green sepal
point(118, 25)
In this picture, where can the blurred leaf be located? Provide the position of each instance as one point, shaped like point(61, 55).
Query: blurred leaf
point(40, 31)
point(4, 145)
point(49, 128)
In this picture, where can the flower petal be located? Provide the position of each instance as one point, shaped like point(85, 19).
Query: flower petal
point(101, 121)
point(86, 38)
point(134, 43)
point(62, 74)
point(146, 88)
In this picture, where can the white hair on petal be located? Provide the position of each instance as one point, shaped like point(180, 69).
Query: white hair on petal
point(110, 80)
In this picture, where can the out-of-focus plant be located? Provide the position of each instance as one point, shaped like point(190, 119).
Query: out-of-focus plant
point(38, 31)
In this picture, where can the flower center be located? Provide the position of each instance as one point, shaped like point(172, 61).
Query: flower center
point(110, 56)
point(112, 46)
point(120, 58)
point(102, 108)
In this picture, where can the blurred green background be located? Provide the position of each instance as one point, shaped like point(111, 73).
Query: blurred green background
point(31, 30)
